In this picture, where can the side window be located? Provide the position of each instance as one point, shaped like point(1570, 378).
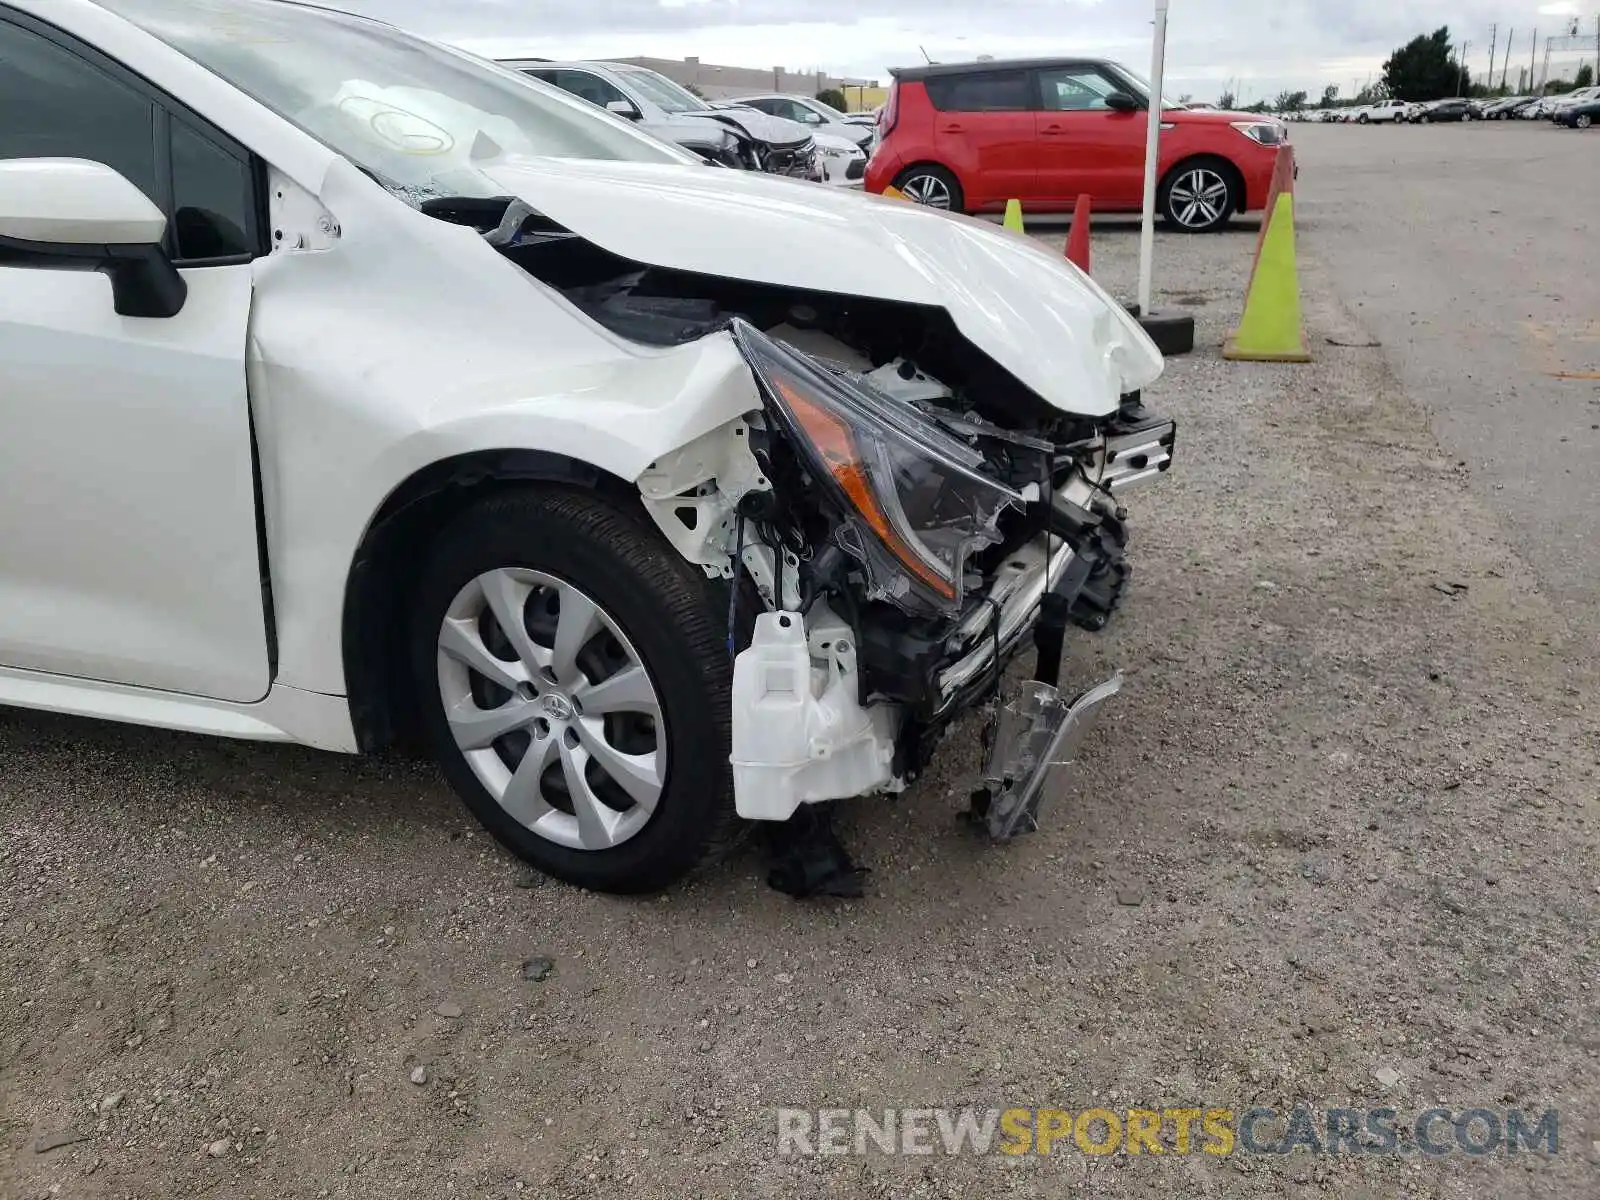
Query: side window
point(53, 104)
point(991, 91)
point(588, 87)
point(1074, 89)
point(212, 198)
point(57, 103)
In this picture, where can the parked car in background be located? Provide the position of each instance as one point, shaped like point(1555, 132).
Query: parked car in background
point(1503, 109)
point(747, 140)
point(1387, 111)
point(1541, 109)
point(1578, 116)
point(1457, 109)
point(817, 116)
point(970, 136)
point(841, 159)
point(1574, 99)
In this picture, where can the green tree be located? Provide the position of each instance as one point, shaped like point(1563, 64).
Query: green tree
point(1330, 96)
point(694, 90)
point(1228, 101)
point(832, 97)
point(1288, 101)
point(1585, 77)
point(1424, 68)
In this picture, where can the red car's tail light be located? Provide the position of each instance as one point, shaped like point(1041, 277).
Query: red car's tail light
point(890, 112)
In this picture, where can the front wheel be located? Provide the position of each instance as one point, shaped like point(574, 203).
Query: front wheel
point(575, 688)
point(1196, 198)
point(1583, 121)
point(931, 185)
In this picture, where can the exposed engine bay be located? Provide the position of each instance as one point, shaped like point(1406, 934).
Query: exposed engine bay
point(904, 511)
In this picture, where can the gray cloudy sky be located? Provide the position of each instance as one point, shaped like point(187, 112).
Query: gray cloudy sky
point(1265, 45)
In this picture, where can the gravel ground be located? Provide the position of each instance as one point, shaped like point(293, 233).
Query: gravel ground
point(1334, 845)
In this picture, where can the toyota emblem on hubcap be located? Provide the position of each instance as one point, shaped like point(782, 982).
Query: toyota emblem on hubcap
point(557, 707)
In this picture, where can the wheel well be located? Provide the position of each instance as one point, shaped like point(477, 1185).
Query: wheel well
point(1225, 167)
point(382, 574)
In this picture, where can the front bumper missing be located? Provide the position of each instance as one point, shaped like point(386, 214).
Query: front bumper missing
point(1033, 734)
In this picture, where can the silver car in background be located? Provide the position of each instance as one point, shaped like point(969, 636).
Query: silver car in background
point(740, 138)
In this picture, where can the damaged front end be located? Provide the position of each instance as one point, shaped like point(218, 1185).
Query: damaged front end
point(925, 544)
point(897, 519)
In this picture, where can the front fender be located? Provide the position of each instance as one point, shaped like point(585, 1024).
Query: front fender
point(409, 341)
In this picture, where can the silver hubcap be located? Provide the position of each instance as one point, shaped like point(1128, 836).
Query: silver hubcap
point(1198, 198)
point(1585, 120)
point(929, 190)
point(552, 708)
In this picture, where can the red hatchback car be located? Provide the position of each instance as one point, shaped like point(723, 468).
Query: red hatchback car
point(970, 136)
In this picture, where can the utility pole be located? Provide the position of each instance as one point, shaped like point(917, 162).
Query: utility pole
point(1505, 65)
point(1494, 35)
point(1463, 80)
point(1533, 57)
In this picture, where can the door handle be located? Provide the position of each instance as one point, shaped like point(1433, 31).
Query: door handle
point(952, 127)
point(1052, 130)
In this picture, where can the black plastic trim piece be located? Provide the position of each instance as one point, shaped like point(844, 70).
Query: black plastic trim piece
point(144, 282)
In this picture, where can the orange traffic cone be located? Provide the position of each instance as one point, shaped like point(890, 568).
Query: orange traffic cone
point(1078, 238)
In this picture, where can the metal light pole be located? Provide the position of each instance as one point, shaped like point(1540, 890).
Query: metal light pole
point(1152, 150)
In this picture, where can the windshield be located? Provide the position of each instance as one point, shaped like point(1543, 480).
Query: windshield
point(661, 91)
point(416, 115)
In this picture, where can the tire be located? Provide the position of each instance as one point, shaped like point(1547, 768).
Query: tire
point(1583, 121)
point(1363, 120)
point(670, 802)
point(1197, 196)
point(933, 186)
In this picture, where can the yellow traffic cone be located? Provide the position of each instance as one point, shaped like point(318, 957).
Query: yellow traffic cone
point(1013, 219)
point(894, 193)
point(1271, 330)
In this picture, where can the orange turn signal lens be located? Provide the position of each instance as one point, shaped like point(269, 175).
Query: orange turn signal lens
point(836, 445)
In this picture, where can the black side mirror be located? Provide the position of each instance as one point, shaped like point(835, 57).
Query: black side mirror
point(1122, 102)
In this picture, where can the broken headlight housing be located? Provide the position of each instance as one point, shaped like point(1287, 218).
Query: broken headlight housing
point(911, 503)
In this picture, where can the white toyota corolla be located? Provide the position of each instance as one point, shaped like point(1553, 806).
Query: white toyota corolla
point(355, 390)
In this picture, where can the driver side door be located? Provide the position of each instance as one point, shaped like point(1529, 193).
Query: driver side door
point(129, 551)
point(1084, 145)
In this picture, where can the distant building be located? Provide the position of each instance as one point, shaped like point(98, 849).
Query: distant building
point(724, 83)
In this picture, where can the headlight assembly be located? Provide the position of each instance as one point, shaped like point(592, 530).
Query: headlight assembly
point(1266, 133)
point(911, 503)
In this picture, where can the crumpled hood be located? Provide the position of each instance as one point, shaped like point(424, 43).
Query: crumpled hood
point(1023, 305)
point(764, 127)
